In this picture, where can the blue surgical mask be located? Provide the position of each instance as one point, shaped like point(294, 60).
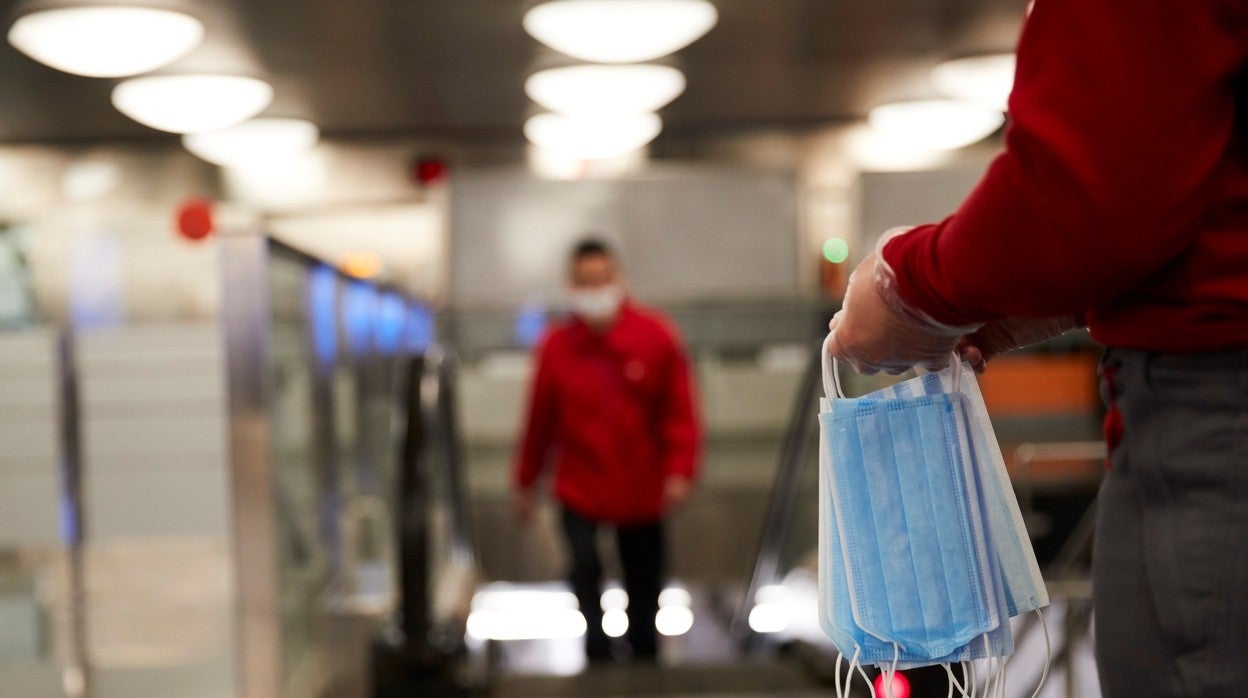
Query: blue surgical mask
point(1024, 586)
point(835, 610)
point(909, 570)
point(907, 507)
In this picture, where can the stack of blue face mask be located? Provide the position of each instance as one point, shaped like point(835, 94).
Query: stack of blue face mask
point(923, 557)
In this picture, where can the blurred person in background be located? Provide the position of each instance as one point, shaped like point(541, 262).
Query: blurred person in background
point(1120, 203)
point(612, 406)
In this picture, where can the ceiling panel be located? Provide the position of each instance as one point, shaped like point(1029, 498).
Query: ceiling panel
point(455, 68)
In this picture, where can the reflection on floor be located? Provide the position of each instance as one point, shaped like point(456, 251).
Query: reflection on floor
point(696, 656)
point(159, 617)
point(536, 628)
point(703, 662)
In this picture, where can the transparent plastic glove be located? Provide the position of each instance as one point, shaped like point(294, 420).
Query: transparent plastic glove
point(874, 331)
point(1000, 336)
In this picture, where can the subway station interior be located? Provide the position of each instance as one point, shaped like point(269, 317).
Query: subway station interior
point(272, 273)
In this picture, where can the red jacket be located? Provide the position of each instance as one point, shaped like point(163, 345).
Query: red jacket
point(616, 413)
point(1123, 191)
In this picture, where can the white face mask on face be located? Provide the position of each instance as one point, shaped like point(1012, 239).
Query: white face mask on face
point(598, 304)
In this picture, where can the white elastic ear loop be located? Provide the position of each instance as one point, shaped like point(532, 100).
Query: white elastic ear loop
point(992, 667)
point(849, 676)
point(831, 376)
point(839, 657)
point(1048, 655)
point(854, 664)
point(870, 686)
point(956, 363)
point(953, 681)
point(888, 686)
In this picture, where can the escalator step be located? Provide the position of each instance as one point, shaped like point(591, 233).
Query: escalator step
point(739, 681)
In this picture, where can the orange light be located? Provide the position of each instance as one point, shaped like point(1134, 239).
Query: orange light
point(361, 265)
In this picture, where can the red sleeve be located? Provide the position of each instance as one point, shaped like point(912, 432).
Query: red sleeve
point(1121, 113)
point(682, 427)
point(540, 425)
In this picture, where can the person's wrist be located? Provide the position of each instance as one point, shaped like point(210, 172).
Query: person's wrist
point(888, 289)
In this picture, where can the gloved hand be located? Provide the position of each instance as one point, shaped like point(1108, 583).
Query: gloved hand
point(874, 330)
point(676, 491)
point(523, 505)
point(1004, 335)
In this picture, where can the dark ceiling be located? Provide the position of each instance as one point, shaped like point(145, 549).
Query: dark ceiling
point(455, 68)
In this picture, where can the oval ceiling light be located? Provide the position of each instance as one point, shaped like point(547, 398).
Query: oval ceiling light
point(620, 31)
point(106, 42)
point(257, 142)
point(592, 138)
point(934, 124)
point(605, 89)
point(192, 103)
point(984, 80)
point(872, 151)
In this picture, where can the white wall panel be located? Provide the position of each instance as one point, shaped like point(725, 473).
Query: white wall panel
point(154, 431)
point(29, 450)
point(892, 199)
point(683, 234)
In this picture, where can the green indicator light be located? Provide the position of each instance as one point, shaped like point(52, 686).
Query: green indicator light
point(835, 250)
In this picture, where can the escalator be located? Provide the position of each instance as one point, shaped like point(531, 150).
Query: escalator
point(421, 649)
point(770, 628)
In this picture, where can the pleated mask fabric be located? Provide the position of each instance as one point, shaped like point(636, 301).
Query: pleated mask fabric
point(923, 556)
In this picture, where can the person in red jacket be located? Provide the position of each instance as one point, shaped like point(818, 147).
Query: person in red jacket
point(1120, 202)
point(612, 408)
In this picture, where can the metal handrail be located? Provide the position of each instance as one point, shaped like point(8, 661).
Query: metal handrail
point(780, 504)
point(443, 413)
point(432, 441)
point(1078, 544)
point(1062, 578)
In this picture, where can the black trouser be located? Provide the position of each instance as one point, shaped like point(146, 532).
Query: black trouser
point(1170, 567)
point(641, 555)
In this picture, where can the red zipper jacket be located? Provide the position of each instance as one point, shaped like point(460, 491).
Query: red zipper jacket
point(1122, 195)
point(616, 414)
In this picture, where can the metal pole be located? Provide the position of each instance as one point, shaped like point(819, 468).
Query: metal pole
point(246, 316)
point(76, 679)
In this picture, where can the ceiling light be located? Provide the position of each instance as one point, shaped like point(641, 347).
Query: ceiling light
point(106, 42)
point(192, 103)
point(984, 80)
point(619, 31)
point(872, 151)
point(255, 142)
point(605, 89)
point(547, 164)
point(592, 138)
point(934, 124)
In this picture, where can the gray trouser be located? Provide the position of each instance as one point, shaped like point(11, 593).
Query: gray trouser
point(1170, 567)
